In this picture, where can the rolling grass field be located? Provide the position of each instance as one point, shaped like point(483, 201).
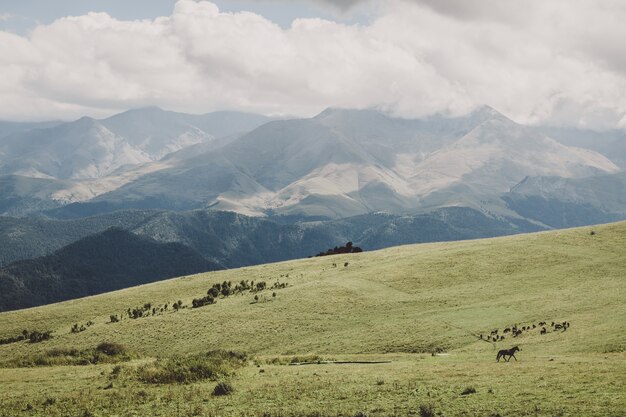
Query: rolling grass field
point(399, 306)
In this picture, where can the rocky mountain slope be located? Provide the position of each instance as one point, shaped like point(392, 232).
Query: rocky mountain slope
point(343, 163)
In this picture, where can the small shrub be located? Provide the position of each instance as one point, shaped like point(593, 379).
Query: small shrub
point(199, 302)
point(113, 318)
point(115, 372)
point(361, 414)
point(77, 329)
point(49, 401)
point(223, 388)
point(426, 410)
point(38, 337)
point(111, 349)
point(380, 381)
point(307, 359)
point(468, 391)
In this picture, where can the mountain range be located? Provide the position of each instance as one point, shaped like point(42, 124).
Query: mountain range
point(75, 161)
point(239, 189)
point(338, 164)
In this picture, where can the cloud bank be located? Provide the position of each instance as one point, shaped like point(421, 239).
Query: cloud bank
point(541, 62)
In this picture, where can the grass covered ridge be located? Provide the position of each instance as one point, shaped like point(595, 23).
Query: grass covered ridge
point(399, 304)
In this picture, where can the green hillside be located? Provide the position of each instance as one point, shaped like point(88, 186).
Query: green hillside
point(400, 304)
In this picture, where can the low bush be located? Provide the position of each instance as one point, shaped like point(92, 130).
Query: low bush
point(111, 349)
point(105, 352)
point(306, 359)
point(426, 410)
point(212, 365)
point(223, 388)
point(49, 401)
point(77, 329)
point(286, 360)
point(38, 337)
point(468, 391)
point(14, 339)
point(200, 302)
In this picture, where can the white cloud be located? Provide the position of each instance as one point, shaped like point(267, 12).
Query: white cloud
point(546, 61)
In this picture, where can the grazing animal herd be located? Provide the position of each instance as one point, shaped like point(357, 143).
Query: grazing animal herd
point(496, 335)
point(515, 330)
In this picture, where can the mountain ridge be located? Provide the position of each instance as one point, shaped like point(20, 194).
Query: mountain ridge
point(109, 260)
point(339, 163)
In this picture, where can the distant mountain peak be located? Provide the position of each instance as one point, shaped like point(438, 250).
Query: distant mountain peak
point(338, 111)
point(146, 109)
point(83, 121)
point(141, 112)
point(481, 113)
point(486, 112)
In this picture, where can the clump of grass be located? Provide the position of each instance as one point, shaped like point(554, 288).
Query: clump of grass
point(306, 359)
point(111, 349)
point(287, 360)
point(468, 391)
point(49, 401)
point(105, 352)
point(426, 410)
point(223, 388)
point(187, 369)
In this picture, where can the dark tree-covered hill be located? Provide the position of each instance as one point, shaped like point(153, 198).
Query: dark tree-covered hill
point(106, 261)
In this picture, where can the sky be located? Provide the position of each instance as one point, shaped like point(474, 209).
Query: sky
point(559, 62)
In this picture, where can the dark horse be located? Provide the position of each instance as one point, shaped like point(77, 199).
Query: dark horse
point(507, 352)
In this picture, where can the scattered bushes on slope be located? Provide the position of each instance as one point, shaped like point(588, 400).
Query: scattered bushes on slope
point(38, 337)
point(14, 339)
point(33, 337)
point(78, 329)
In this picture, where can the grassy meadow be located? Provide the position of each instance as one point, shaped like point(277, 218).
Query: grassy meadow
point(419, 309)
